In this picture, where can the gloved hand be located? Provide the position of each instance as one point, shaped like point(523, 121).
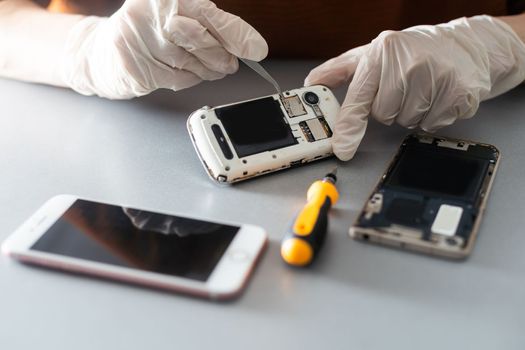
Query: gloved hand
point(153, 44)
point(424, 76)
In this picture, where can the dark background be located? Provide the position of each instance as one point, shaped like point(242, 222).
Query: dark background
point(322, 29)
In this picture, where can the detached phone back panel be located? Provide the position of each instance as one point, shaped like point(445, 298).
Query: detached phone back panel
point(250, 138)
point(431, 198)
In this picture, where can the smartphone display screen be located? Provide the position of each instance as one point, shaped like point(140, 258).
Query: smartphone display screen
point(256, 126)
point(138, 239)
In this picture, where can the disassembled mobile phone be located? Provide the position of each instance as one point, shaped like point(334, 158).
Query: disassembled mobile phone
point(431, 198)
point(177, 253)
point(246, 139)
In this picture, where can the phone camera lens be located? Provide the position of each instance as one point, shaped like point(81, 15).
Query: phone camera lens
point(311, 98)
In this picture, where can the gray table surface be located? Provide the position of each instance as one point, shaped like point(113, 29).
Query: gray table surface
point(356, 296)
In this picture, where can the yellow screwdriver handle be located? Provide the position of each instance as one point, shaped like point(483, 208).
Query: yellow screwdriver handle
point(308, 231)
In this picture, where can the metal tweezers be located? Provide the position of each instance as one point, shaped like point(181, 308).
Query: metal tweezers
point(256, 66)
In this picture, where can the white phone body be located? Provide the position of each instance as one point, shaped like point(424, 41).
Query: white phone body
point(226, 280)
point(311, 125)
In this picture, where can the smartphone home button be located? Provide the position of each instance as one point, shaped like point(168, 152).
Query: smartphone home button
point(238, 255)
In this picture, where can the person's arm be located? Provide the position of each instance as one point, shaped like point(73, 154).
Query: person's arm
point(143, 46)
point(33, 41)
point(425, 76)
point(517, 23)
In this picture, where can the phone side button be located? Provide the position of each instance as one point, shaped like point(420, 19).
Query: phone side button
point(222, 141)
point(238, 256)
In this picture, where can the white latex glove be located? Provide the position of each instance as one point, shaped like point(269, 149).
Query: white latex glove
point(151, 44)
point(424, 76)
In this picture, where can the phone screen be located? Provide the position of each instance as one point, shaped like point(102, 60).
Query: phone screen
point(256, 126)
point(138, 239)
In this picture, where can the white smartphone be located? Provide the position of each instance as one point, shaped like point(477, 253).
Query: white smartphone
point(238, 141)
point(196, 256)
